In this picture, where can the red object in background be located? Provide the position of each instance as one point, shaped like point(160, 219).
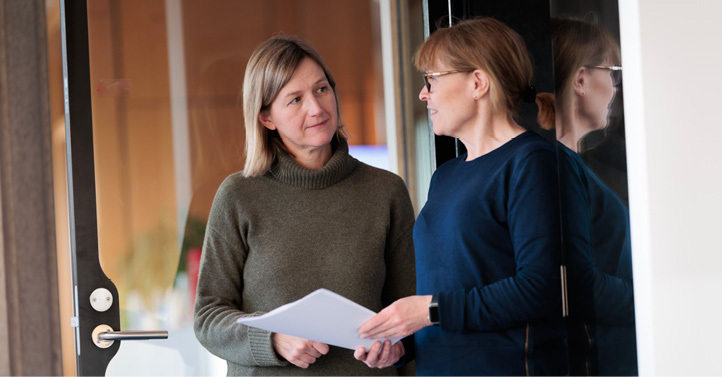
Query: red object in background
point(193, 264)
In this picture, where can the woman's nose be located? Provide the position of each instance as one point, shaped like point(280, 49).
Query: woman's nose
point(424, 94)
point(314, 106)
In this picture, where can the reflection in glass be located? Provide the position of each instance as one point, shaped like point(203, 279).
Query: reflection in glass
point(597, 249)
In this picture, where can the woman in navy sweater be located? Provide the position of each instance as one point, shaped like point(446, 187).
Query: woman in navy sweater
point(597, 243)
point(488, 239)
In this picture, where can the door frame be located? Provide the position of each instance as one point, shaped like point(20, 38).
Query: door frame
point(87, 275)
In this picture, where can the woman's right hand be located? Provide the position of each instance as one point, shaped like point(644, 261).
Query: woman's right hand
point(380, 355)
point(404, 317)
point(298, 351)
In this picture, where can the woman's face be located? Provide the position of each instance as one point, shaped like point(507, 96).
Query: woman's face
point(598, 96)
point(450, 102)
point(304, 112)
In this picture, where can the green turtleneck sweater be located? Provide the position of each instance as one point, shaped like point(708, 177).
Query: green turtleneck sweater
point(274, 238)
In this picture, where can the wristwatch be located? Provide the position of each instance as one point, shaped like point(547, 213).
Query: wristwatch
point(434, 310)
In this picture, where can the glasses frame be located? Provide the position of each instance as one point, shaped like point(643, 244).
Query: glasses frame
point(607, 67)
point(436, 74)
point(616, 78)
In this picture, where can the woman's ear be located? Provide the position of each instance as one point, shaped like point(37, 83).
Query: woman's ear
point(579, 82)
point(481, 83)
point(265, 118)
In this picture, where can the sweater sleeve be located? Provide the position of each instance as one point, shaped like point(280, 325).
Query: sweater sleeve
point(218, 296)
point(593, 294)
point(534, 291)
point(399, 255)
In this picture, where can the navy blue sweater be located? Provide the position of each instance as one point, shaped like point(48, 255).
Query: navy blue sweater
point(598, 256)
point(488, 243)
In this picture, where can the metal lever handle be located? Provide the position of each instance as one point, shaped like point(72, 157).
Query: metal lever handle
point(104, 336)
point(133, 335)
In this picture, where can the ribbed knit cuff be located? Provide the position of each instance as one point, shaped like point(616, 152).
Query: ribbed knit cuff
point(262, 348)
point(451, 310)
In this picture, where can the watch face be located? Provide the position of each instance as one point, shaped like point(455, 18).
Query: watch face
point(434, 314)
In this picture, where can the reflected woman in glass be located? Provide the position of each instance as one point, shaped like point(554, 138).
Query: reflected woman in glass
point(595, 221)
point(488, 238)
point(302, 215)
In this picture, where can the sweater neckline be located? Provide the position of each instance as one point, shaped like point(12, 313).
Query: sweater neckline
point(288, 171)
point(498, 150)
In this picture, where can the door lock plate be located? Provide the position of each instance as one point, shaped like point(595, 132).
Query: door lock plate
point(101, 299)
point(96, 336)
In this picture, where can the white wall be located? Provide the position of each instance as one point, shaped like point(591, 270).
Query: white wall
point(672, 57)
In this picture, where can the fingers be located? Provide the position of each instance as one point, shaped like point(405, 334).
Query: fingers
point(308, 352)
point(397, 351)
point(380, 355)
point(385, 355)
point(303, 360)
point(404, 317)
point(399, 347)
point(371, 326)
point(391, 354)
point(372, 357)
point(298, 351)
point(391, 328)
point(320, 347)
point(389, 323)
point(398, 331)
point(300, 363)
point(360, 354)
point(299, 357)
point(378, 323)
point(308, 349)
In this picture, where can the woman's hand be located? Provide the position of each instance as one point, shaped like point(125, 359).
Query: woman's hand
point(298, 351)
point(387, 356)
point(404, 317)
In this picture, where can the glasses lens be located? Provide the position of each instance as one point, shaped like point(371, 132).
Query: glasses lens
point(427, 83)
point(617, 77)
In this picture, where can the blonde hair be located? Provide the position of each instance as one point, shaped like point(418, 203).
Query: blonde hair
point(486, 44)
point(576, 43)
point(269, 69)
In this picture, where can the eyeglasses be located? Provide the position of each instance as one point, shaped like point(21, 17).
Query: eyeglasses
point(434, 74)
point(614, 70)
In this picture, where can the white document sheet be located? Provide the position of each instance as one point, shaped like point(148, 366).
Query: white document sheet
point(322, 316)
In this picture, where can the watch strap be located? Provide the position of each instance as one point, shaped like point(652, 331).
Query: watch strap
point(434, 310)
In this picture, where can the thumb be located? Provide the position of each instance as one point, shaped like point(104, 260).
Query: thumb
point(360, 353)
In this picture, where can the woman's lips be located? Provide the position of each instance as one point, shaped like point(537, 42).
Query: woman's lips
point(320, 124)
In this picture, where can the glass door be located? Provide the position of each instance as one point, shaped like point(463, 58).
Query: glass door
point(572, 41)
point(154, 124)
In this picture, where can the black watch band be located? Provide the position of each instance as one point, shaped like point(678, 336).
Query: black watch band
point(434, 310)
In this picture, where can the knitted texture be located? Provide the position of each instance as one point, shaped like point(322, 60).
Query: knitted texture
point(598, 255)
point(273, 239)
point(488, 244)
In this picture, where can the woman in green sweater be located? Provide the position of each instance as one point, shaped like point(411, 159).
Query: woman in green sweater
point(302, 215)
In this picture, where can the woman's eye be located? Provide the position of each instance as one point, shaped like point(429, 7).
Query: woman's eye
point(322, 89)
point(295, 100)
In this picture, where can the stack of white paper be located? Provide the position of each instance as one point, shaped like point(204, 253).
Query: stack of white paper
point(322, 316)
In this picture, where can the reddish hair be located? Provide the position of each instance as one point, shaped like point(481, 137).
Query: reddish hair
point(486, 44)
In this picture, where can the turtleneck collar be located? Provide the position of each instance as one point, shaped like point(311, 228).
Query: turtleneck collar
point(340, 166)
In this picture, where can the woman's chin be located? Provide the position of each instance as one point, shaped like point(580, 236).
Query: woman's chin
point(438, 130)
point(322, 141)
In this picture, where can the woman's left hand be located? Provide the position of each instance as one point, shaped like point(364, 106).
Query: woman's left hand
point(404, 317)
point(380, 358)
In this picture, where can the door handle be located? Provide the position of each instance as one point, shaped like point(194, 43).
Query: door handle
point(133, 335)
point(104, 336)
